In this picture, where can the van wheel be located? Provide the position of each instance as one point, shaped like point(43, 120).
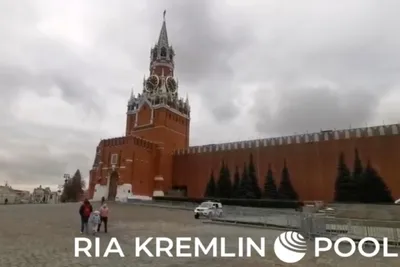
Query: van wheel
point(196, 216)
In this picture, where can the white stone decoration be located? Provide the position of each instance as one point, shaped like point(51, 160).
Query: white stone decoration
point(336, 135)
point(289, 140)
point(369, 131)
point(394, 129)
point(381, 130)
point(346, 134)
point(123, 192)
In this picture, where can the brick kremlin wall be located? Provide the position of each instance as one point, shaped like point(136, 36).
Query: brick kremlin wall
point(311, 159)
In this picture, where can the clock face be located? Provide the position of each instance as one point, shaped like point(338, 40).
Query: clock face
point(152, 83)
point(171, 85)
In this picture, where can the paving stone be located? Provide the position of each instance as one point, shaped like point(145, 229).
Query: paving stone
point(43, 235)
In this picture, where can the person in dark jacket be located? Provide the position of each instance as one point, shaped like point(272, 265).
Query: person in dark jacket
point(103, 200)
point(84, 211)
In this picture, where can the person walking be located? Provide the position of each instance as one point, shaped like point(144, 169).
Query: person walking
point(94, 221)
point(84, 211)
point(102, 200)
point(103, 217)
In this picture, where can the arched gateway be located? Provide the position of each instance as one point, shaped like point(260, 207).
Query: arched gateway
point(112, 187)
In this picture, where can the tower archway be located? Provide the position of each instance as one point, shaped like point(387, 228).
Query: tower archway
point(112, 187)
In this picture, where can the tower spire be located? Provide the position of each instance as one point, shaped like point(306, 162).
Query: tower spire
point(163, 38)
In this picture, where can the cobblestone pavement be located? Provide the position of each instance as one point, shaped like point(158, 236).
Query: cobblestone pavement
point(43, 235)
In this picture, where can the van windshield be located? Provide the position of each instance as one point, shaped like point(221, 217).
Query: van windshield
point(206, 205)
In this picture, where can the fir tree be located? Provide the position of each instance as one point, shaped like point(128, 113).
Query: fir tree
point(236, 183)
point(286, 190)
point(224, 185)
point(246, 187)
point(270, 190)
point(211, 187)
point(253, 178)
point(229, 185)
point(374, 188)
point(344, 185)
point(73, 188)
point(357, 176)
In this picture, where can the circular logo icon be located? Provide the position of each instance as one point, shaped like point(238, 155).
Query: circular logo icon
point(290, 247)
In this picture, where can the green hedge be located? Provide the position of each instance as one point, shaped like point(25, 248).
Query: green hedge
point(256, 203)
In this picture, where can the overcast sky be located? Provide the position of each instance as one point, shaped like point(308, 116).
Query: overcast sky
point(252, 69)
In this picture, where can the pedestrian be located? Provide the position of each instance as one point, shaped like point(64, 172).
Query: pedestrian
point(85, 210)
point(103, 217)
point(102, 200)
point(94, 221)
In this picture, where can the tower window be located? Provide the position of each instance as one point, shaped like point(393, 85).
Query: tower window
point(154, 53)
point(163, 52)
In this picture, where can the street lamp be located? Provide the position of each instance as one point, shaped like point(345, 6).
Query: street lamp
point(66, 177)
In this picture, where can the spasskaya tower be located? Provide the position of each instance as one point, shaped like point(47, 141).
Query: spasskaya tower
point(158, 114)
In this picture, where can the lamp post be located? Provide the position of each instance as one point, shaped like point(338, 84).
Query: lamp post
point(66, 177)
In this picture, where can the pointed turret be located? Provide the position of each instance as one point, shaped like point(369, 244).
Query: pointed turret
point(187, 99)
point(162, 55)
point(163, 38)
point(132, 93)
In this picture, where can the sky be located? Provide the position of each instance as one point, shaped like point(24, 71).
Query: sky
point(252, 69)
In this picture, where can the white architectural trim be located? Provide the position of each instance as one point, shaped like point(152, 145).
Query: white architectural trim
point(158, 193)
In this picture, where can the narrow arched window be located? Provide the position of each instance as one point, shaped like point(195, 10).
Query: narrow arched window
point(163, 52)
point(154, 54)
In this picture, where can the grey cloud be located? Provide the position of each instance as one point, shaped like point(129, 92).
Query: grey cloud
point(27, 152)
point(315, 108)
point(317, 66)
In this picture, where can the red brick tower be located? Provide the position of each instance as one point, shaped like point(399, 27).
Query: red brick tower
point(158, 114)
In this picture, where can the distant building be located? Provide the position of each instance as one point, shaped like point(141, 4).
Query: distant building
point(13, 196)
point(7, 193)
point(23, 196)
point(41, 195)
point(54, 197)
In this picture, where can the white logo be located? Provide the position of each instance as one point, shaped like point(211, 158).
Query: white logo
point(290, 247)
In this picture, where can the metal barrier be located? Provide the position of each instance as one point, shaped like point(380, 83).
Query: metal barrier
point(313, 225)
point(309, 224)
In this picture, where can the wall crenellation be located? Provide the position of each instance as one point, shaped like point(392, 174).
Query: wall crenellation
point(118, 141)
point(383, 130)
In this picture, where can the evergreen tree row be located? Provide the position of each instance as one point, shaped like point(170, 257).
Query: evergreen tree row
point(245, 184)
point(361, 185)
point(73, 188)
